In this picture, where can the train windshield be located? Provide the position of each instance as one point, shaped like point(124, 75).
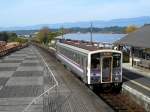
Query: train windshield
point(116, 64)
point(106, 64)
point(95, 64)
point(116, 60)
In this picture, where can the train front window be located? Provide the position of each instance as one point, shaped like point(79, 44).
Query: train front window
point(116, 64)
point(116, 60)
point(95, 63)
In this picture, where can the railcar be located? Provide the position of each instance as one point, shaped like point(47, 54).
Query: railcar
point(95, 65)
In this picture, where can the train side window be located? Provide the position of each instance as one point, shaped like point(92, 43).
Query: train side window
point(81, 60)
point(116, 61)
point(74, 56)
point(71, 55)
point(66, 52)
point(78, 59)
point(85, 64)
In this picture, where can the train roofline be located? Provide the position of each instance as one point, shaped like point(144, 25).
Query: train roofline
point(105, 50)
point(75, 48)
point(88, 51)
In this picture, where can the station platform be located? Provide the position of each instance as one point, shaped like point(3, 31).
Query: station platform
point(27, 84)
point(137, 85)
point(135, 69)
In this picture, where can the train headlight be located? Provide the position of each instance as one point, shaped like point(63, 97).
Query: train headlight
point(116, 78)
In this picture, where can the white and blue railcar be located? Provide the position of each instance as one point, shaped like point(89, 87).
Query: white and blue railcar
point(95, 66)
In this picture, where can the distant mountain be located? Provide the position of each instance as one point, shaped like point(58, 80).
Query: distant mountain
point(139, 21)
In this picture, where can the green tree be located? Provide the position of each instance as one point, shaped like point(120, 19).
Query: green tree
point(45, 36)
point(52, 35)
point(12, 37)
point(4, 36)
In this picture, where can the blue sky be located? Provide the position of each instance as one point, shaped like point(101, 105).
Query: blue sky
point(31, 12)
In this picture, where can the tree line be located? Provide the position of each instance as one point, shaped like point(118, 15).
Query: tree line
point(11, 37)
point(113, 29)
point(45, 36)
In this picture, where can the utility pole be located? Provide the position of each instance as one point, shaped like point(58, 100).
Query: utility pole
point(91, 31)
point(62, 32)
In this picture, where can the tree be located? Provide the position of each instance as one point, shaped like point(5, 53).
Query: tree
point(52, 35)
point(12, 37)
point(130, 29)
point(43, 35)
point(4, 36)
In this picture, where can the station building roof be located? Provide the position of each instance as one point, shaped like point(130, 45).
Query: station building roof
point(139, 38)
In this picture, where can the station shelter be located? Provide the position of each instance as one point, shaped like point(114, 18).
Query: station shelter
point(138, 45)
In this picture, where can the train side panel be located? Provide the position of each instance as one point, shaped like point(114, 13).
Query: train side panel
point(69, 64)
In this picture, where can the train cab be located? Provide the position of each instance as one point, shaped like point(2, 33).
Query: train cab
point(106, 67)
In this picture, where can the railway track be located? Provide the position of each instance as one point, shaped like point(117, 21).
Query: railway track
point(119, 102)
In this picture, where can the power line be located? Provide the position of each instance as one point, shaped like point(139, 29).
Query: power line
point(91, 32)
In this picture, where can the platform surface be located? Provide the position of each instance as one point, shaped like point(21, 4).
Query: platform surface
point(137, 81)
point(23, 78)
point(137, 85)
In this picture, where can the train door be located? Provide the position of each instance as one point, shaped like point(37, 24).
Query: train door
point(106, 73)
